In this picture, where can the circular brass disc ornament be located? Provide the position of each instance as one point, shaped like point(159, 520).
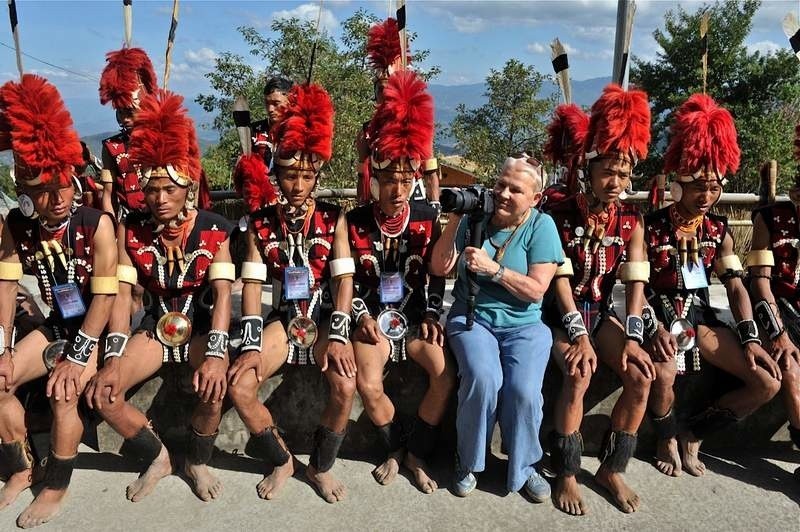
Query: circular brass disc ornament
point(393, 324)
point(53, 353)
point(302, 332)
point(174, 329)
point(684, 333)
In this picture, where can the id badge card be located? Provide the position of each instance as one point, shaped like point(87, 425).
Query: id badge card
point(694, 276)
point(295, 282)
point(391, 287)
point(68, 298)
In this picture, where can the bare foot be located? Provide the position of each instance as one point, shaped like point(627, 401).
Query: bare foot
point(690, 454)
point(567, 496)
point(271, 484)
point(626, 499)
point(668, 459)
point(327, 486)
point(205, 485)
point(386, 472)
point(44, 507)
point(16, 484)
point(417, 466)
point(144, 485)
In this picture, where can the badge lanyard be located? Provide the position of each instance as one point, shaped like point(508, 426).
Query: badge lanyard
point(66, 296)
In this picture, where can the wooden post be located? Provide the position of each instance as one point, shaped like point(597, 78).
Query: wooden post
point(769, 178)
point(661, 185)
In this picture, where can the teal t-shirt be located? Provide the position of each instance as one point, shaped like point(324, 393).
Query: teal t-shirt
point(536, 242)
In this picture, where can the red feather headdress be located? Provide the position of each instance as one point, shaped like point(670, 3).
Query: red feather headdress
point(383, 47)
point(306, 131)
point(619, 125)
point(566, 136)
point(403, 125)
point(163, 139)
point(127, 71)
point(703, 138)
point(251, 181)
point(36, 125)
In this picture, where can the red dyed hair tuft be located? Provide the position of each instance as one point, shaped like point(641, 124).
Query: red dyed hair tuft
point(307, 124)
point(124, 71)
point(37, 126)
point(164, 134)
point(566, 134)
point(403, 124)
point(703, 136)
point(620, 122)
point(251, 181)
point(383, 45)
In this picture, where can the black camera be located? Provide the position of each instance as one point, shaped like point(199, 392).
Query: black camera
point(475, 199)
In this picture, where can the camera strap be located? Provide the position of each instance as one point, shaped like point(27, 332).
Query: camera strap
point(500, 251)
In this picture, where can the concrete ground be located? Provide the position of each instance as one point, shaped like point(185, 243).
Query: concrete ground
point(739, 492)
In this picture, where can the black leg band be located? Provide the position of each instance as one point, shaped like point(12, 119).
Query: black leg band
point(391, 436)
point(17, 455)
point(58, 471)
point(711, 420)
point(326, 447)
point(200, 447)
point(565, 453)
point(618, 449)
point(794, 434)
point(665, 427)
point(145, 446)
point(269, 447)
point(422, 438)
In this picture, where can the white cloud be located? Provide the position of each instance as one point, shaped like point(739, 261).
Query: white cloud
point(309, 12)
point(204, 57)
point(764, 47)
point(468, 24)
point(537, 48)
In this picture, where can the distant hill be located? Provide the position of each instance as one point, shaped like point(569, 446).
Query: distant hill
point(448, 97)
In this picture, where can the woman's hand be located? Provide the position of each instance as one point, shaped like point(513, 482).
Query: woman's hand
point(478, 261)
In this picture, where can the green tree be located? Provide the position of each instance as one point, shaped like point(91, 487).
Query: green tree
point(6, 183)
point(340, 66)
point(512, 119)
point(761, 91)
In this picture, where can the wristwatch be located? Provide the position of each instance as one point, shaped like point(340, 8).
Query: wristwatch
point(499, 275)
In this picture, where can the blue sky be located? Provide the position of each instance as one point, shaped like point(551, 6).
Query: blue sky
point(466, 38)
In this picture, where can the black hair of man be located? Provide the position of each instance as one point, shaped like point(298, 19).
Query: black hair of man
point(278, 83)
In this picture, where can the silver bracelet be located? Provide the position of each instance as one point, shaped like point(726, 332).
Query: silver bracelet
point(217, 343)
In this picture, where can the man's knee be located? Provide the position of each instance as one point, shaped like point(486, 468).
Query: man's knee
point(369, 389)
point(576, 385)
point(636, 383)
point(62, 405)
point(342, 389)
point(243, 393)
point(790, 378)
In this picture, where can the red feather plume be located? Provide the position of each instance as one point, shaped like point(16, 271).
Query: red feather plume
point(124, 70)
point(703, 135)
point(383, 45)
point(566, 134)
point(251, 181)
point(403, 124)
point(620, 122)
point(37, 126)
point(307, 125)
point(164, 134)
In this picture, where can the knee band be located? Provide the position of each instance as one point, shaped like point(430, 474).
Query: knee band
point(711, 420)
point(391, 436)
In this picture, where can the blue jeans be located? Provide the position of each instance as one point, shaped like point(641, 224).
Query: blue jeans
point(501, 372)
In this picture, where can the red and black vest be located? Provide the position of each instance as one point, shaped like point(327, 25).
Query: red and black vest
point(317, 251)
point(149, 257)
point(783, 224)
point(127, 192)
point(415, 246)
point(595, 273)
point(77, 243)
point(662, 249)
